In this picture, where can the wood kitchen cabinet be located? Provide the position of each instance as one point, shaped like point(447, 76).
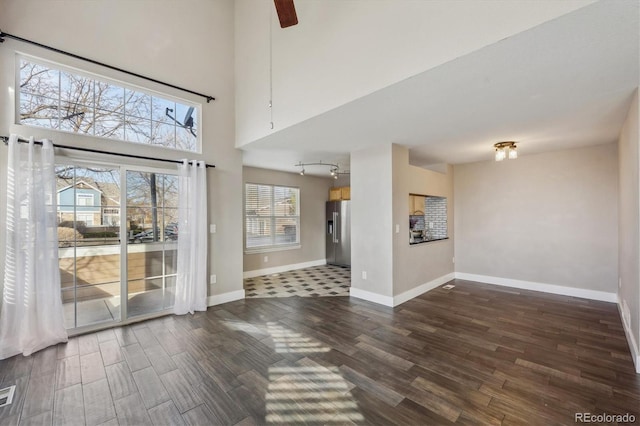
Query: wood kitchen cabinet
point(346, 192)
point(416, 204)
point(335, 194)
point(340, 193)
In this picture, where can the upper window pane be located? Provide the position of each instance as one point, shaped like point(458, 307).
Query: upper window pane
point(76, 89)
point(77, 118)
point(258, 200)
point(163, 135)
point(109, 124)
point(286, 201)
point(109, 97)
point(39, 111)
point(39, 80)
point(163, 109)
point(64, 100)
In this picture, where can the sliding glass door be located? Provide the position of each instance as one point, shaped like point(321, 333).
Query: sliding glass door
point(152, 229)
point(117, 232)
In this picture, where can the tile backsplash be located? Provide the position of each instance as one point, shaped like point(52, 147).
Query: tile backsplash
point(434, 221)
point(436, 217)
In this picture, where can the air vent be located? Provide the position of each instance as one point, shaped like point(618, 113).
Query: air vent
point(6, 395)
point(448, 286)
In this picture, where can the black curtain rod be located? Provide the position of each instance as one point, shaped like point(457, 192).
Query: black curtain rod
point(73, 55)
point(5, 139)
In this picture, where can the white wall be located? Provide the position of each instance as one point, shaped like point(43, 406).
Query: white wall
point(372, 223)
point(342, 50)
point(381, 181)
point(314, 192)
point(629, 225)
point(420, 264)
point(549, 218)
point(188, 43)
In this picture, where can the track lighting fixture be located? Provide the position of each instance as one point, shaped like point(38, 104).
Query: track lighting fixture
point(334, 169)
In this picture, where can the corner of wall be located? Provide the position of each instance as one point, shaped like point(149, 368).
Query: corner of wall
point(625, 317)
point(629, 226)
point(231, 296)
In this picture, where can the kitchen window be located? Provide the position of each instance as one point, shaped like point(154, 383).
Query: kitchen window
point(55, 97)
point(272, 217)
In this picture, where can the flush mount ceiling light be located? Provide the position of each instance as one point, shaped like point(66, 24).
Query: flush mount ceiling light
point(334, 169)
point(506, 150)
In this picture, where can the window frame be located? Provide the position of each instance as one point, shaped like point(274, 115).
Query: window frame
point(273, 246)
point(85, 196)
point(82, 217)
point(120, 84)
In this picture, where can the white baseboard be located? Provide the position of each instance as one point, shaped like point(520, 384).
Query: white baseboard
point(631, 341)
point(402, 297)
point(371, 297)
point(218, 299)
point(283, 268)
point(417, 291)
point(546, 288)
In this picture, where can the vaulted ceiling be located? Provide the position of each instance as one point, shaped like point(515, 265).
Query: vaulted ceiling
point(564, 83)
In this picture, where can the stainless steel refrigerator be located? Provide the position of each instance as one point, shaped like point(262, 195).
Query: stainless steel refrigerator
point(338, 233)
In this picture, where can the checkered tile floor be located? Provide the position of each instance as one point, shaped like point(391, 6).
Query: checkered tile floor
point(318, 281)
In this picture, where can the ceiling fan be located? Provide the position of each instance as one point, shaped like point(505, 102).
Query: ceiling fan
point(286, 13)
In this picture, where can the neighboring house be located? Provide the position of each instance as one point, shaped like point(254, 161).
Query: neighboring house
point(90, 202)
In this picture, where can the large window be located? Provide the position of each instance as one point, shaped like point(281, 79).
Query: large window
point(272, 216)
point(65, 100)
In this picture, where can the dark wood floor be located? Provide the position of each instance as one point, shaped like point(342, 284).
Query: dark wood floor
point(477, 354)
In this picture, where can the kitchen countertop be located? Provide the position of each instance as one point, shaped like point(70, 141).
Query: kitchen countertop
point(421, 241)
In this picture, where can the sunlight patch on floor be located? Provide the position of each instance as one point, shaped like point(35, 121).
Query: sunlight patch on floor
point(306, 392)
point(309, 393)
point(287, 341)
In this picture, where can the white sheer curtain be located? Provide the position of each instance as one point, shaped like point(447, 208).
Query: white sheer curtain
point(191, 283)
point(31, 318)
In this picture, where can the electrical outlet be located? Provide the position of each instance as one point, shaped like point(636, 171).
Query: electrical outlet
point(266, 259)
point(212, 228)
point(397, 228)
point(213, 279)
point(364, 275)
point(453, 260)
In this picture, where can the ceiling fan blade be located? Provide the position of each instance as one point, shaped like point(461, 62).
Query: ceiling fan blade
point(286, 13)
